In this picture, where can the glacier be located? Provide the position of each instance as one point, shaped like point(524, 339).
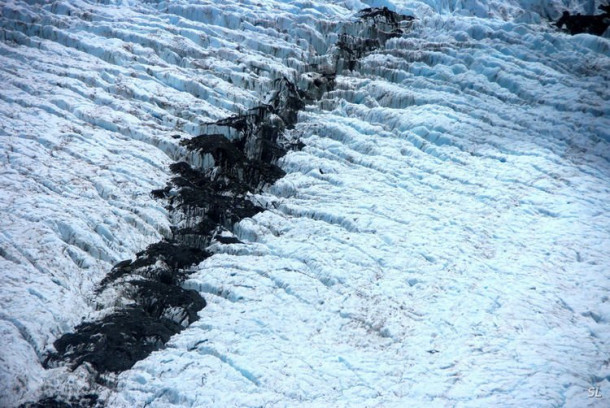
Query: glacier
point(440, 239)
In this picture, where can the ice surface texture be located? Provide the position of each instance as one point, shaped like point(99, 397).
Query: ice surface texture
point(440, 240)
point(209, 198)
point(209, 194)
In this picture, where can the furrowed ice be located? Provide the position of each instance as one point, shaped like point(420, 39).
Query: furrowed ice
point(320, 203)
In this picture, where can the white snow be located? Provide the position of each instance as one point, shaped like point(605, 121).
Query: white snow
point(442, 239)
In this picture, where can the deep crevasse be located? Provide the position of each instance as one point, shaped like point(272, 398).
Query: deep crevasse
point(440, 239)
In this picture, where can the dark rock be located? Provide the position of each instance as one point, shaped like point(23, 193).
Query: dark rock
point(115, 343)
point(85, 401)
point(227, 240)
point(590, 24)
point(225, 153)
point(237, 172)
point(381, 25)
point(161, 300)
point(160, 193)
point(174, 255)
point(383, 15)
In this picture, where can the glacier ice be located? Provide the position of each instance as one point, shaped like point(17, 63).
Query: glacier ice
point(440, 239)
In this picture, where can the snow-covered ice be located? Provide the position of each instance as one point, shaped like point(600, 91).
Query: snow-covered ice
point(441, 240)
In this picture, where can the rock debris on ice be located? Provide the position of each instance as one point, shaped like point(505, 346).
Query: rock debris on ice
point(440, 239)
